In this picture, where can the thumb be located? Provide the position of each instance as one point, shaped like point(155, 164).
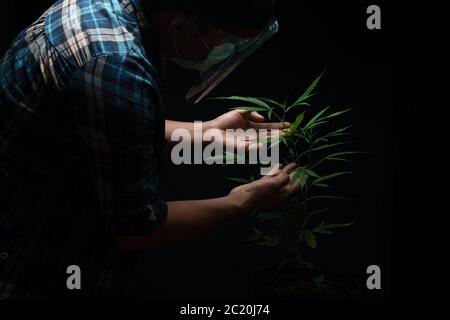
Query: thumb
point(256, 117)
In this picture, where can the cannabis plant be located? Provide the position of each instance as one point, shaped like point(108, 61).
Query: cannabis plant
point(314, 142)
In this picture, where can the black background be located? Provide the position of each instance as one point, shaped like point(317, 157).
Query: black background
point(377, 73)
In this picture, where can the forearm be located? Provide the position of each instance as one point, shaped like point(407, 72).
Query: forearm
point(188, 219)
point(171, 126)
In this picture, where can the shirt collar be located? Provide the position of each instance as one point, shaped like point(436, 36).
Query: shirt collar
point(135, 7)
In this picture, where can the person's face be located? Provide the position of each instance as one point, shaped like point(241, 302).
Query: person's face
point(193, 40)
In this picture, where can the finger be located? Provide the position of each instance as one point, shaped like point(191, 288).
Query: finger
point(272, 133)
point(254, 146)
point(270, 125)
point(290, 167)
point(244, 113)
point(292, 187)
point(281, 180)
point(256, 117)
point(275, 170)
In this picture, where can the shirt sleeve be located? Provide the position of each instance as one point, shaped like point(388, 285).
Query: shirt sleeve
point(114, 100)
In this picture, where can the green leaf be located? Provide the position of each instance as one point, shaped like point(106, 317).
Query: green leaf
point(266, 216)
point(297, 105)
point(325, 146)
point(257, 109)
point(299, 175)
point(297, 122)
point(336, 157)
point(269, 242)
point(309, 92)
point(271, 101)
point(315, 212)
point(330, 176)
point(319, 281)
point(255, 101)
point(339, 132)
point(322, 185)
point(324, 226)
point(254, 238)
point(323, 231)
point(324, 197)
point(284, 263)
point(311, 173)
point(238, 180)
point(310, 239)
point(315, 118)
point(336, 114)
point(257, 231)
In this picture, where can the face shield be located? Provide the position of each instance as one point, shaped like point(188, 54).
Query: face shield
point(224, 59)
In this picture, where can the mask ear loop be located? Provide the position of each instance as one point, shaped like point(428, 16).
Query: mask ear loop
point(206, 46)
point(201, 36)
point(176, 48)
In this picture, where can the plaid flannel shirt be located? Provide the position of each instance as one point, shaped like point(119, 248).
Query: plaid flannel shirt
point(81, 126)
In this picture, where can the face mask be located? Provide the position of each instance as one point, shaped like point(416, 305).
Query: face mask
point(216, 55)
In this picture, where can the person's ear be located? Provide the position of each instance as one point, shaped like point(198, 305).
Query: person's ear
point(178, 27)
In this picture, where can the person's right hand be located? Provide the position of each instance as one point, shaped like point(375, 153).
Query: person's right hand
point(269, 192)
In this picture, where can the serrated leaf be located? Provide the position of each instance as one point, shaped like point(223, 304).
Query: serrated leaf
point(310, 239)
point(266, 216)
point(255, 101)
point(316, 117)
point(269, 242)
point(324, 197)
point(323, 147)
point(254, 238)
point(323, 231)
point(336, 114)
point(299, 175)
point(271, 101)
point(330, 176)
point(297, 105)
point(322, 185)
point(336, 157)
point(257, 231)
point(284, 263)
point(309, 92)
point(238, 180)
point(256, 109)
point(297, 123)
point(311, 173)
point(335, 226)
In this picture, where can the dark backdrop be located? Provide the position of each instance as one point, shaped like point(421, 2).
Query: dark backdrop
point(313, 35)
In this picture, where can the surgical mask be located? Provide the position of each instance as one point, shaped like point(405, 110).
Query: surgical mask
point(222, 59)
point(218, 54)
point(215, 56)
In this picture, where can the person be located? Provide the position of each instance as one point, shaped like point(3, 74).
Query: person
point(81, 129)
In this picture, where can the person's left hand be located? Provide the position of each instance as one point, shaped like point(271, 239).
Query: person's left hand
point(242, 119)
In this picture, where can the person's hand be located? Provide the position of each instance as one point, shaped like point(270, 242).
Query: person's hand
point(269, 192)
point(242, 119)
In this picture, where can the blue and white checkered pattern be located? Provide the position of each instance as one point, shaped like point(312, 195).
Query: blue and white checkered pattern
point(81, 126)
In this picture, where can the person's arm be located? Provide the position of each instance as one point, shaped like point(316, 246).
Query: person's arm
point(236, 119)
point(171, 126)
point(188, 219)
point(113, 100)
